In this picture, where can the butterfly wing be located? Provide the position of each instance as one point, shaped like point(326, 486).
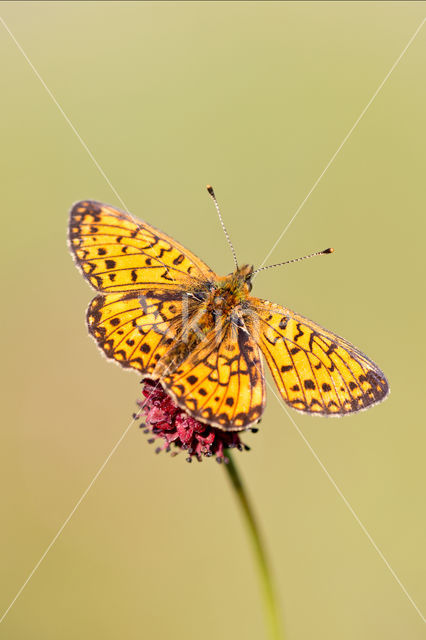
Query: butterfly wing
point(116, 252)
point(221, 382)
point(136, 329)
point(315, 370)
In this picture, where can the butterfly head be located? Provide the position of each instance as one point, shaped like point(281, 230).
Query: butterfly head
point(238, 283)
point(244, 276)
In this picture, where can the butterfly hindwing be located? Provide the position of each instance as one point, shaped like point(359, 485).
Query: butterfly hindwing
point(221, 382)
point(136, 329)
point(315, 370)
point(116, 252)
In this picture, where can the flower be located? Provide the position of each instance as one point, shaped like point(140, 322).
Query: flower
point(163, 419)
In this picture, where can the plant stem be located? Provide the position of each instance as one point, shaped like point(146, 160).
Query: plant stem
point(271, 606)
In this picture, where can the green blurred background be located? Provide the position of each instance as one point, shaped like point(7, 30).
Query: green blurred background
point(254, 98)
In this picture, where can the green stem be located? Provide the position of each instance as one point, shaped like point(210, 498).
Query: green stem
point(271, 606)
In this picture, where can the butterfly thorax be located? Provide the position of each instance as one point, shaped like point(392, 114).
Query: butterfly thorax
point(214, 308)
point(214, 305)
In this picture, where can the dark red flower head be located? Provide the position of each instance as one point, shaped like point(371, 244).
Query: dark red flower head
point(163, 419)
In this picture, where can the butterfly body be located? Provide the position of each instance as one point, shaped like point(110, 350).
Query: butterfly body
point(164, 313)
point(223, 298)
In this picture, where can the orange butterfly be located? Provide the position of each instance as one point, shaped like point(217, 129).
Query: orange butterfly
point(165, 313)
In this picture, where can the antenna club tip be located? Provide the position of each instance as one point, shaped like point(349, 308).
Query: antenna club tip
point(210, 189)
point(329, 250)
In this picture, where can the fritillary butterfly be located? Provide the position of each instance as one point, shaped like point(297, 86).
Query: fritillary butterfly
point(163, 312)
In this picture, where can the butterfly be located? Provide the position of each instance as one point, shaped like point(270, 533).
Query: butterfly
point(163, 312)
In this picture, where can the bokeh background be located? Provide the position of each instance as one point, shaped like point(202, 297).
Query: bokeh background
point(254, 98)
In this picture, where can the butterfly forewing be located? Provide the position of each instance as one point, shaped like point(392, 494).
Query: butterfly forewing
point(315, 370)
point(116, 252)
point(222, 381)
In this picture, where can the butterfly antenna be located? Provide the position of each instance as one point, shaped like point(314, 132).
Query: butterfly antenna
point(213, 197)
point(280, 264)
